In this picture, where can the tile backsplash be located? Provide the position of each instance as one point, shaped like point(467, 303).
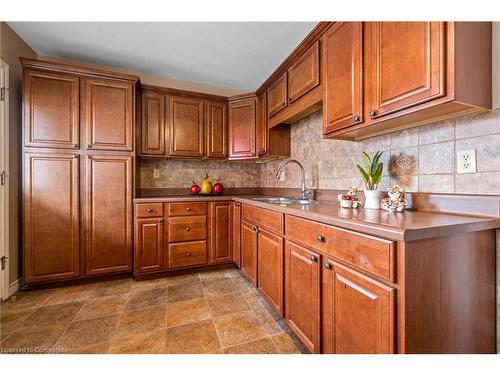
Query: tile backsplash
point(420, 159)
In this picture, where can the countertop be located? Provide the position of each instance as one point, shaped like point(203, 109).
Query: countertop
point(397, 226)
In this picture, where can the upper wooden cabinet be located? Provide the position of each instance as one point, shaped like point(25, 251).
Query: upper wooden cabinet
point(262, 131)
point(343, 65)
point(277, 95)
point(51, 105)
point(242, 128)
point(303, 75)
point(153, 124)
point(186, 120)
point(216, 131)
point(108, 113)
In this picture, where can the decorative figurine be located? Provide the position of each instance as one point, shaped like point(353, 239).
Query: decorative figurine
point(396, 201)
point(349, 200)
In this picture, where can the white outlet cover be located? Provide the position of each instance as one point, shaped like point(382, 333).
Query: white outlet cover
point(466, 161)
point(156, 173)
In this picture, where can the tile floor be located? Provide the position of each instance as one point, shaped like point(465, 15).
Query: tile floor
point(216, 311)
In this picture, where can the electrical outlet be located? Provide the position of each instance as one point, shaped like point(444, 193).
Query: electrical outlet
point(466, 161)
point(156, 173)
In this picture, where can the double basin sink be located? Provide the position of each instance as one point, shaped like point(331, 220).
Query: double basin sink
point(282, 201)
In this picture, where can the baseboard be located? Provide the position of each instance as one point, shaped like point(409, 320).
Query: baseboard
point(14, 286)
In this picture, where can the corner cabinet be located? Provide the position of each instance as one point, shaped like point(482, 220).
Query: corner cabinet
point(242, 128)
point(186, 122)
point(216, 130)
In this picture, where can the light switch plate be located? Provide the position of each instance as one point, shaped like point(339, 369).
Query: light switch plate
point(156, 173)
point(466, 161)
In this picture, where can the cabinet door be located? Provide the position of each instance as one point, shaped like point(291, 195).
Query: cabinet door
point(51, 104)
point(358, 313)
point(242, 129)
point(249, 251)
point(108, 214)
point(271, 268)
point(153, 124)
point(405, 64)
point(262, 132)
point(216, 131)
point(303, 75)
point(237, 233)
point(149, 249)
point(302, 294)
point(51, 217)
point(220, 232)
point(277, 95)
point(108, 112)
point(343, 62)
point(186, 127)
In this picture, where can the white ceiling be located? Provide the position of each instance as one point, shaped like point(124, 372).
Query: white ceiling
point(237, 55)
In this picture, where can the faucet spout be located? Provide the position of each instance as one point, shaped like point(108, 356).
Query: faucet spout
point(305, 193)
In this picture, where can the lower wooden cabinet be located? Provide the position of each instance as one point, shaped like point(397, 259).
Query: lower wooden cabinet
point(302, 294)
point(149, 250)
point(220, 232)
point(270, 268)
point(249, 251)
point(358, 312)
point(237, 233)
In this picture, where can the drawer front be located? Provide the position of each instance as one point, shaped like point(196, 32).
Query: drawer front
point(190, 228)
point(187, 208)
point(149, 209)
point(267, 219)
point(187, 254)
point(369, 253)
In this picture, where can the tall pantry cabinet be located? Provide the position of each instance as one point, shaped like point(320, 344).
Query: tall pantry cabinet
point(78, 155)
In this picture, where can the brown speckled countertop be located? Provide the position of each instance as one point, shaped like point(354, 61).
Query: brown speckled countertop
point(405, 226)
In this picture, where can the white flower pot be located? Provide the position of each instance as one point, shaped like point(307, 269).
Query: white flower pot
point(372, 199)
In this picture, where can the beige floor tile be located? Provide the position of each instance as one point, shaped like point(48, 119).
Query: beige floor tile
point(189, 311)
point(30, 340)
point(98, 348)
point(238, 328)
point(199, 337)
point(284, 344)
point(140, 299)
point(215, 274)
point(268, 321)
point(140, 321)
point(87, 332)
point(219, 287)
point(241, 283)
point(184, 292)
point(53, 314)
point(182, 279)
point(227, 304)
point(69, 297)
point(101, 306)
point(13, 320)
point(114, 287)
point(87, 287)
point(141, 343)
point(25, 300)
point(160, 283)
point(260, 346)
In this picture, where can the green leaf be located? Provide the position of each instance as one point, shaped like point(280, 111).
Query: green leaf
point(377, 176)
point(366, 160)
point(375, 162)
point(364, 175)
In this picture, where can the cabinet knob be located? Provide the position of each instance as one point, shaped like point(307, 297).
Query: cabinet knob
point(188, 254)
point(356, 118)
point(320, 238)
point(161, 220)
point(313, 258)
point(188, 229)
point(372, 113)
point(89, 146)
point(150, 210)
point(328, 266)
point(188, 208)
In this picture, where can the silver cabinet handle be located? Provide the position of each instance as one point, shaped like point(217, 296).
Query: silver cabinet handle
point(150, 210)
point(188, 254)
point(320, 238)
point(313, 258)
point(188, 208)
point(161, 220)
point(188, 229)
point(328, 266)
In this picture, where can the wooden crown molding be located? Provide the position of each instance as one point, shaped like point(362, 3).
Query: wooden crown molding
point(77, 69)
point(245, 96)
point(179, 92)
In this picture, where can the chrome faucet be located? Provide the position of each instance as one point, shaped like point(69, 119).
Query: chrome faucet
point(305, 193)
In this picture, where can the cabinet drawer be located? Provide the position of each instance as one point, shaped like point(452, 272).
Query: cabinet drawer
point(149, 209)
point(369, 253)
point(187, 254)
point(264, 218)
point(187, 208)
point(190, 228)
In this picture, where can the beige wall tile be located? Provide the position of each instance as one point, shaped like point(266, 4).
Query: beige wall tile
point(436, 158)
point(436, 183)
point(476, 125)
point(487, 151)
point(438, 132)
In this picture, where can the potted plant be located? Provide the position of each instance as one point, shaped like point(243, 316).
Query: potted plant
point(372, 175)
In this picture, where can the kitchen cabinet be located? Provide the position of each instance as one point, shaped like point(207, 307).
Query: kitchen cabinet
point(277, 95)
point(303, 74)
point(343, 87)
point(153, 124)
point(242, 128)
point(237, 233)
point(262, 131)
point(270, 254)
point(108, 114)
point(51, 216)
point(358, 312)
point(51, 109)
point(149, 249)
point(220, 231)
point(302, 294)
point(186, 122)
point(249, 251)
point(108, 214)
point(216, 130)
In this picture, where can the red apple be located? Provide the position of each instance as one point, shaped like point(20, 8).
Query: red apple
point(194, 189)
point(218, 188)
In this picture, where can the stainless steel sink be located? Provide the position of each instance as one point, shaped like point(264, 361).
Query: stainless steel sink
point(282, 200)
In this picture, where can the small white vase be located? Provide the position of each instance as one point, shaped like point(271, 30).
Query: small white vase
point(373, 198)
